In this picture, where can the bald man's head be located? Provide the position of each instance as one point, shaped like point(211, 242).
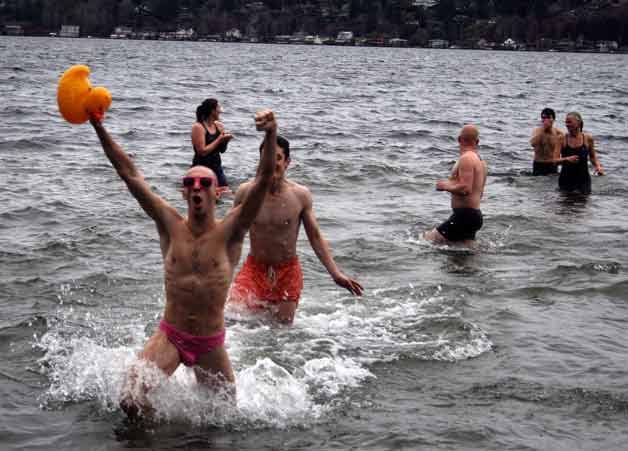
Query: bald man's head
point(469, 135)
point(200, 171)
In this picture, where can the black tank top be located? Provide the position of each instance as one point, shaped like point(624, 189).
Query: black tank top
point(211, 160)
point(575, 176)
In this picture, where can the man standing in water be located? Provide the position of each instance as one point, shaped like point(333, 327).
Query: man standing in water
point(466, 185)
point(271, 277)
point(199, 254)
point(546, 141)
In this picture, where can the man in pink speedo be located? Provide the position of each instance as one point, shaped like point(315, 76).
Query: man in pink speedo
point(199, 254)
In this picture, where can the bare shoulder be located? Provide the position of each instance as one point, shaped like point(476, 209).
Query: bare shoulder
point(297, 187)
point(178, 219)
point(588, 137)
point(300, 191)
point(172, 219)
point(245, 186)
point(241, 193)
point(470, 158)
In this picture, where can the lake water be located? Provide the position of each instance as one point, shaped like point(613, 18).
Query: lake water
point(518, 344)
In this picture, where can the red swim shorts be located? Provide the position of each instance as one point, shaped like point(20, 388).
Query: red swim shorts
point(258, 284)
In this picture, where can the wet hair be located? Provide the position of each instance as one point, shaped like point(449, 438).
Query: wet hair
point(577, 116)
point(206, 108)
point(548, 112)
point(281, 142)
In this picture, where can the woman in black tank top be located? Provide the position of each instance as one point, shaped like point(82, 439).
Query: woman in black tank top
point(209, 139)
point(576, 150)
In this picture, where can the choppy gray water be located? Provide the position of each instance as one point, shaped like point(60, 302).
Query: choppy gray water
point(517, 345)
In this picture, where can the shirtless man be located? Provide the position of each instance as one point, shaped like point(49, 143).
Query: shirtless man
point(466, 185)
point(546, 141)
point(271, 277)
point(199, 254)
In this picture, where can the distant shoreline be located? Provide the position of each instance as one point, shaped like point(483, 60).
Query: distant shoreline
point(330, 44)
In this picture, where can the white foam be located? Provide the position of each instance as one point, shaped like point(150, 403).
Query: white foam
point(285, 376)
point(334, 374)
point(451, 352)
point(268, 393)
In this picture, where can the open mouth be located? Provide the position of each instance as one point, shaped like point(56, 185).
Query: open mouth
point(197, 199)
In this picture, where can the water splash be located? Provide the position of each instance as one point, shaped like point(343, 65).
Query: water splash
point(285, 376)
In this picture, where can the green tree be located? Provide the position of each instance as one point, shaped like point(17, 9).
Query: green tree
point(483, 9)
point(355, 8)
point(539, 8)
point(446, 9)
point(229, 5)
point(165, 10)
point(372, 13)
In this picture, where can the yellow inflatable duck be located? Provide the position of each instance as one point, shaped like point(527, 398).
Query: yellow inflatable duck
point(76, 97)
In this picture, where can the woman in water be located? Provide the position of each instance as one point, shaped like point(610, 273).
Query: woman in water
point(576, 150)
point(209, 139)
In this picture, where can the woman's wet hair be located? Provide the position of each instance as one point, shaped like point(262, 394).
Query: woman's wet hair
point(281, 142)
point(205, 109)
point(577, 116)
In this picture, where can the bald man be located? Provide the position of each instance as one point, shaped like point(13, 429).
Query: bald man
point(199, 255)
point(466, 185)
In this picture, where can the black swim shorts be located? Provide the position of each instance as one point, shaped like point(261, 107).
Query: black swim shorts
point(462, 224)
point(543, 168)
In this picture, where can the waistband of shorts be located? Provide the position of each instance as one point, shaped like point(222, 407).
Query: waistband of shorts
point(251, 260)
point(467, 210)
point(169, 328)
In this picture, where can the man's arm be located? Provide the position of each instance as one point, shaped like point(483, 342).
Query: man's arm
point(322, 251)
point(152, 204)
point(536, 137)
point(240, 194)
point(558, 144)
point(249, 204)
point(463, 184)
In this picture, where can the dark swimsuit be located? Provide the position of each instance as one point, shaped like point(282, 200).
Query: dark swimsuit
point(544, 168)
point(575, 176)
point(212, 160)
point(462, 224)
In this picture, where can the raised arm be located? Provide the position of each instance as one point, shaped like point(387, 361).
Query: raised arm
point(241, 193)
point(153, 205)
point(322, 250)
point(247, 205)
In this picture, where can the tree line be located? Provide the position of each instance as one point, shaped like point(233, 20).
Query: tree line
point(454, 20)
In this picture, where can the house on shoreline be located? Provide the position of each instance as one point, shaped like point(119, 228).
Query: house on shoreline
point(70, 31)
point(121, 32)
point(14, 30)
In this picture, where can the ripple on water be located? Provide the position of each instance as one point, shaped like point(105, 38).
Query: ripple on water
point(577, 401)
point(372, 129)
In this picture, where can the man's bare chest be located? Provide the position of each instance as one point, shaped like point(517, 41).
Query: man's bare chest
point(549, 140)
point(197, 256)
point(279, 212)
